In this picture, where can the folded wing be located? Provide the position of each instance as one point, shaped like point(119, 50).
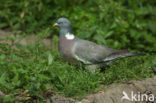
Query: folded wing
point(91, 53)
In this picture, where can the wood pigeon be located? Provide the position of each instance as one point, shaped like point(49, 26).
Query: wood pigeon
point(75, 50)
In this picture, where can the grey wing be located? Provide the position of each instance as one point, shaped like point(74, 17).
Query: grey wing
point(89, 52)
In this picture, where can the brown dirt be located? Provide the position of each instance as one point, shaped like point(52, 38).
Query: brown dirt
point(114, 93)
point(23, 40)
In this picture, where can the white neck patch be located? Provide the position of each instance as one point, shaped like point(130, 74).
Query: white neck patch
point(69, 36)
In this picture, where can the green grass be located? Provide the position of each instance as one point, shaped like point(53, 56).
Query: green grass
point(36, 68)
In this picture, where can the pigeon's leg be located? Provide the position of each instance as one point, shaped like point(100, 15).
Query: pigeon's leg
point(108, 63)
point(91, 68)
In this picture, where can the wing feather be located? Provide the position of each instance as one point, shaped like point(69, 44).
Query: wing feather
point(89, 52)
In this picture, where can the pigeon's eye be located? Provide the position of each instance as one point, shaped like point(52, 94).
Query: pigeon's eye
point(60, 23)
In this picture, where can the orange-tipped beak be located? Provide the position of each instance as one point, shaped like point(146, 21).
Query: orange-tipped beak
point(55, 25)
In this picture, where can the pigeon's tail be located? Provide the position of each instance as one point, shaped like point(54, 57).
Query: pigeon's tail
point(121, 54)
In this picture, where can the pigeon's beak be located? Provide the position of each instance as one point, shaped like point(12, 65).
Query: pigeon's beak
point(55, 25)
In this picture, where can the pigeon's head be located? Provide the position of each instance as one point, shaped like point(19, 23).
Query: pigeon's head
point(62, 23)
